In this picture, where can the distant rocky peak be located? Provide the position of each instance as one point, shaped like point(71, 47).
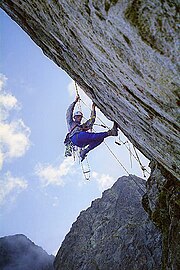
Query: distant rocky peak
point(114, 233)
point(17, 252)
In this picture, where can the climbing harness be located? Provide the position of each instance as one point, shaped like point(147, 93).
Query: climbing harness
point(69, 146)
point(86, 169)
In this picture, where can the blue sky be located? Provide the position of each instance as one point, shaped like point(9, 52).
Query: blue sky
point(41, 192)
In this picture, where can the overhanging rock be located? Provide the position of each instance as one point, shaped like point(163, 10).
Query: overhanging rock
point(123, 54)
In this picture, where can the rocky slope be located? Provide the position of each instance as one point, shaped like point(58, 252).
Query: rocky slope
point(17, 252)
point(114, 233)
point(124, 54)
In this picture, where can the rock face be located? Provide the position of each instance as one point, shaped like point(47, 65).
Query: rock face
point(17, 252)
point(162, 202)
point(114, 233)
point(123, 54)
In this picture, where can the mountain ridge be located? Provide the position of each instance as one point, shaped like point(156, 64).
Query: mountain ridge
point(113, 233)
point(17, 252)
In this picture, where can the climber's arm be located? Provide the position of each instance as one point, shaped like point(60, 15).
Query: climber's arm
point(69, 113)
point(89, 123)
point(93, 114)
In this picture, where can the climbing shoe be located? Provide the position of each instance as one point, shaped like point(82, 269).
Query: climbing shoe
point(83, 154)
point(114, 130)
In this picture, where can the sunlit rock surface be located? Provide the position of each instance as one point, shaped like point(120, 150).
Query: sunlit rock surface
point(123, 54)
point(114, 233)
point(17, 252)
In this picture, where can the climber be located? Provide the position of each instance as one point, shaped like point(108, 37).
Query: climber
point(78, 133)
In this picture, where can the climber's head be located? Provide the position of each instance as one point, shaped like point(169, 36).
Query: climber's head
point(78, 117)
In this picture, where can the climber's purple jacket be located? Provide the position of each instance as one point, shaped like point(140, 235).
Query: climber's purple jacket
point(78, 133)
point(78, 127)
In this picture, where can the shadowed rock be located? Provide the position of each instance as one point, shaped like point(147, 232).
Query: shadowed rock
point(17, 252)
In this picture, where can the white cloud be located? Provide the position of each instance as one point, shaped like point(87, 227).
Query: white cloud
point(7, 100)
point(55, 201)
point(50, 175)
point(3, 80)
point(104, 181)
point(14, 142)
point(10, 187)
point(14, 135)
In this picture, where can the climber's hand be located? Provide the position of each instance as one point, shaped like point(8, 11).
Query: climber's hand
point(93, 106)
point(77, 98)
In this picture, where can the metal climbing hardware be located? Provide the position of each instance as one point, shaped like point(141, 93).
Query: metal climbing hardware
point(69, 147)
point(85, 168)
point(136, 157)
point(86, 171)
point(68, 150)
point(118, 143)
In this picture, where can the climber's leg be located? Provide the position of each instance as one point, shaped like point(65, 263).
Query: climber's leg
point(91, 139)
point(83, 139)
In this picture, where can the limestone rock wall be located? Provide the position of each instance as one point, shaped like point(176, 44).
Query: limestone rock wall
point(124, 55)
point(162, 202)
point(114, 233)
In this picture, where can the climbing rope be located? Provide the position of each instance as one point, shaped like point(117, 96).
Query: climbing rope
point(131, 154)
point(85, 167)
point(77, 94)
point(116, 158)
point(101, 125)
point(128, 148)
point(142, 167)
point(136, 157)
